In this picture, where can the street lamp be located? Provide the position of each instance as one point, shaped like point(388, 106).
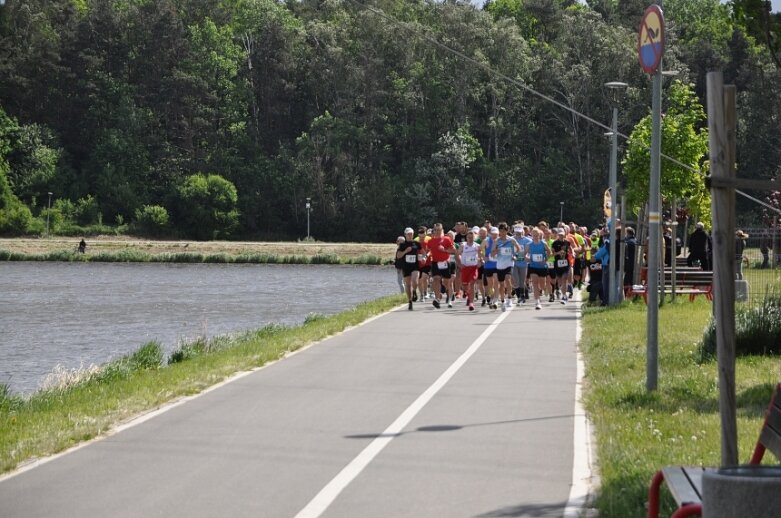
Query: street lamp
point(615, 93)
point(48, 211)
point(308, 208)
point(561, 212)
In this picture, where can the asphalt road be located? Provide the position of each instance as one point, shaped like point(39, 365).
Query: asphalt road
point(430, 413)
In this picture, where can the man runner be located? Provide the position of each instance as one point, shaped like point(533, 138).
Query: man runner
point(440, 247)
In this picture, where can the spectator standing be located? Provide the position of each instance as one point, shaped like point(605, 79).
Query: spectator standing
point(698, 247)
point(740, 246)
point(630, 251)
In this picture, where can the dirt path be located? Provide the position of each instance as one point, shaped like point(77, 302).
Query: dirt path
point(119, 243)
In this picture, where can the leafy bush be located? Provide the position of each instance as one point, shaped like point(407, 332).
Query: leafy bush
point(148, 356)
point(15, 220)
point(188, 351)
point(206, 206)
point(151, 220)
point(757, 330)
point(314, 317)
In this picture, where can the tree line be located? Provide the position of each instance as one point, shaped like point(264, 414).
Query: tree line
point(219, 119)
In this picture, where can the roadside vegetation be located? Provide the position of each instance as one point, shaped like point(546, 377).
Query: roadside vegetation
point(637, 431)
point(76, 406)
point(134, 256)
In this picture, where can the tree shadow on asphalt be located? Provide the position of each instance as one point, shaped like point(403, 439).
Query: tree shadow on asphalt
point(453, 428)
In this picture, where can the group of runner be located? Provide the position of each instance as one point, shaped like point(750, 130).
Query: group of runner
point(501, 264)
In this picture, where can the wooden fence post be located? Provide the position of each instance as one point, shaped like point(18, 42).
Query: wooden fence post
point(721, 127)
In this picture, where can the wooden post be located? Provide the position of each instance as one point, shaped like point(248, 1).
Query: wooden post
point(774, 253)
point(721, 127)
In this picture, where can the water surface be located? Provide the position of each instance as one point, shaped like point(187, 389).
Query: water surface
point(78, 314)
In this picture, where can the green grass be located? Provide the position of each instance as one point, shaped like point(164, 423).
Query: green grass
point(135, 256)
point(59, 417)
point(638, 432)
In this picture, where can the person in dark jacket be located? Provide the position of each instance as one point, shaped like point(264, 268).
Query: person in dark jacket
point(698, 247)
point(630, 249)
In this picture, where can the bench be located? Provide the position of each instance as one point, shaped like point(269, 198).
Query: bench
point(685, 483)
point(688, 281)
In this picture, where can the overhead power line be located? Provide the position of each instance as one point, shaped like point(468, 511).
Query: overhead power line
point(492, 71)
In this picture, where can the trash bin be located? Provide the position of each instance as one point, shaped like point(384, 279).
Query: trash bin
point(741, 491)
point(741, 291)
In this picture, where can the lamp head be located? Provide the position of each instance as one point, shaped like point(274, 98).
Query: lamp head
point(615, 91)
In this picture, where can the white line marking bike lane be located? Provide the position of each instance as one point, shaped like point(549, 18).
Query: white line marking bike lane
point(323, 500)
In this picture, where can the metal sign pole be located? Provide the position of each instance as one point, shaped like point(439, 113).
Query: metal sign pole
point(654, 220)
point(650, 48)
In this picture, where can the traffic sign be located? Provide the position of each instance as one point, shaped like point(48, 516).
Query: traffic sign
point(650, 39)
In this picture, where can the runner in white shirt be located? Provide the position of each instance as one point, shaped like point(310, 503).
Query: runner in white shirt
point(468, 258)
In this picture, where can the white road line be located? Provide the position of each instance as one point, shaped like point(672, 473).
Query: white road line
point(144, 417)
point(320, 503)
point(582, 472)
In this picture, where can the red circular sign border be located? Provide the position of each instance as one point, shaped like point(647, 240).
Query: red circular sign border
point(658, 10)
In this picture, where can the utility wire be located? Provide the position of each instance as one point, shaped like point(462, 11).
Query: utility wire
point(492, 71)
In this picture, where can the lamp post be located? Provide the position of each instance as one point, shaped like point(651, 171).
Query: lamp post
point(48, 211)
point(615, 93)
point(308, 208)
point(561, 212)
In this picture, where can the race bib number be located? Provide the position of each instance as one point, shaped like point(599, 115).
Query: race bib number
point(442, 265)
point(452, 258)
point(561, 263)
point(506, 251)
point(596, 266)
point(410, 258)
point(469, 260)
point(537, 258)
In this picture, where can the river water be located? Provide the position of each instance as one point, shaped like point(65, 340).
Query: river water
point(73, 315)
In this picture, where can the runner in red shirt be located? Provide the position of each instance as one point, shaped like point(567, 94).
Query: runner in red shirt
point(440, 247)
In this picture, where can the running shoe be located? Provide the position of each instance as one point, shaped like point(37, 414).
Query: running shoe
point(436, 303)
point(471, 307)
point(569, 290)
point(552, 298)
point(415, 297)
point(409, 307)
point(494, 306)
point(449, 304)
point(504, 307)
point(564, 300)
point(538, 306)
point(484, 302)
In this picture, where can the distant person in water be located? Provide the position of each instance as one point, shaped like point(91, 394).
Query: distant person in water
point(82, 246)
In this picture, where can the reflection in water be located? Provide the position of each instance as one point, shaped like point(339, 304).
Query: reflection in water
point(78, 314)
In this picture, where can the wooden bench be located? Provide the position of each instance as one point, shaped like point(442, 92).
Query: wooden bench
point(688, 281)
point(685, 483)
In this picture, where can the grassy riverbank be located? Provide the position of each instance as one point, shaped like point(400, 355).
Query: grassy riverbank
point(121, 249)
point(91, 403)
point(638, 432)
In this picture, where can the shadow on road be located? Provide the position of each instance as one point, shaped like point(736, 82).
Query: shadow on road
point(535, 510)
point(453, 428)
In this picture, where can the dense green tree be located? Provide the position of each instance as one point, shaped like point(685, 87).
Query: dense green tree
point(120, 103)
point(684, 139)
point(206, 207)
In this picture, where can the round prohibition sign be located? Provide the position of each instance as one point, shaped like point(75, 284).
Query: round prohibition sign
point(650, 39)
